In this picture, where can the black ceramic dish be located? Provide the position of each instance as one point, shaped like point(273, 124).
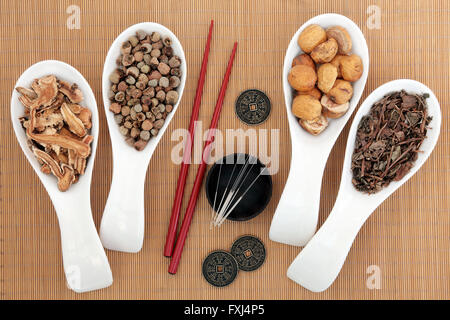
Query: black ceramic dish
point(257, 197)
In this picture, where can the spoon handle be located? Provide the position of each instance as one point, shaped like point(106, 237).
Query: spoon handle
point(295, 218)
point(85, 263)
point(122, 226)
point(320, 261)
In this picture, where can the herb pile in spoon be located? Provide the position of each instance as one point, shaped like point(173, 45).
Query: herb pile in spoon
point(388, 140)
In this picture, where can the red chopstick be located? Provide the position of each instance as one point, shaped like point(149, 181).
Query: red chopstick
point(176, 208)
point(201, 170)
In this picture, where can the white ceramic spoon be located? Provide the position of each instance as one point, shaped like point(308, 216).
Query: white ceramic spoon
point(122, 226)
point(319, 263)
point(85, 263)
point(296, 216)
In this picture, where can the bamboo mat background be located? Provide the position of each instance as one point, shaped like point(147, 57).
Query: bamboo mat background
point(407, 236)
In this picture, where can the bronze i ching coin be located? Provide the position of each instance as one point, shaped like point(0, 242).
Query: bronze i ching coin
point(220, 268)
point(253, 107)
point(249, 253)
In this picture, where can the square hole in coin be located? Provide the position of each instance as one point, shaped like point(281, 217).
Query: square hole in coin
point(219, 268)
point(248, 253)
point(252, 106)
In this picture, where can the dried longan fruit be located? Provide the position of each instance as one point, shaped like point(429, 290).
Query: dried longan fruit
point(341, 92)
point(302, 78)
point(325, 52)
point(311, 37)
point(342, 38)
point(306, 107)
point(315, 126)
point(314, 93)
point(303, 59)
point(337, 63)
point(351, 67)
point(326, 76)
point(333, 110)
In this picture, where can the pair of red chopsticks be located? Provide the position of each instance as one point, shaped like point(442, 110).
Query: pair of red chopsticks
point(169, 249)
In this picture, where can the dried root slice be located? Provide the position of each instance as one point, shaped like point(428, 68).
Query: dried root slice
point(74, 123)
point(30, 94)
point(315, 126)
point(71, 91)
point(46, 89)
point(65, 173)
point(333, 110)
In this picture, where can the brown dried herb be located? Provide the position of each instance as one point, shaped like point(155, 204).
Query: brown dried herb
point(388, 140)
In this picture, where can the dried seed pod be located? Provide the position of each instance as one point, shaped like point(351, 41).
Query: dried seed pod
point(337, 63)
point(115, 76)
point(125, 111)
point(145, 108)
point(136, 94)
point(167, 41)
point(141, 34)
point(123, 130)
point(133, 114)
point(135, 132)
point(164, 59)
point(154, 75)
point(167, 51)
point(133, 71)
point(122, 86)
point(125, 48)
point(144, 135)
point(120, 96)
point(128, 124)
point(154, 132)
point(150, 92)
point(314, 93)
point(130, 80)
point(162, 108)
point(146, 48)
point(158, 124)
point(137, 108)
point(172, 97)
point(153, 83)
point(138, 56)
point(155, 53)
point(133, 40)
point(155, 102)
point(130, 141)
point(115, 107)
point(163, 82)
point(175, 62)
point(160, 95)
point(140, 117)
point(169, 107)
point(143, 77)
point(147, 58)
point(163, 68)
point(158, 45)
point(140, 64)
point(147, 125)
point(118, 118)
point(127, 60)
point(140, 145)
point(155, 36)
point(174, 82)
point(175, 71)
point(154, 62)
point(145, 68)
point(111, 94)
point(141, 85)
